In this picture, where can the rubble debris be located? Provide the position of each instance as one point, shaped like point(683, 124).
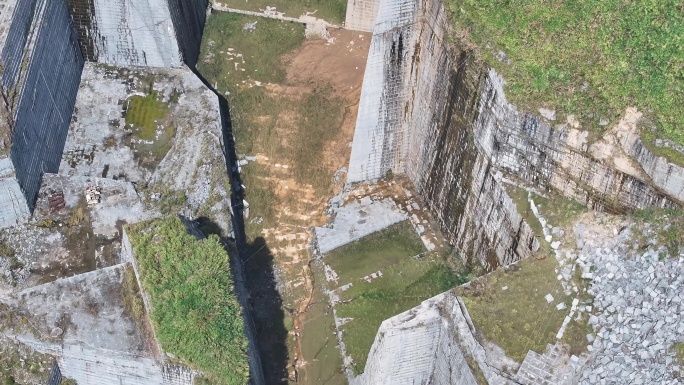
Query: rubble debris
point(56, 201)
point(93, 195)
point(249, 27)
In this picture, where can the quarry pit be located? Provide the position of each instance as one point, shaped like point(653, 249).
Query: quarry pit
point(326, 192)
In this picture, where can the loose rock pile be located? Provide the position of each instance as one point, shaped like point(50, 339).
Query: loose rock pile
point(638, 307)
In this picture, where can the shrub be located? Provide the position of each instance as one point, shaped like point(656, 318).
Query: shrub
point(195, 312)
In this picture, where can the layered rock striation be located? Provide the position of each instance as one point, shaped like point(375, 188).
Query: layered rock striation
point(430, 110)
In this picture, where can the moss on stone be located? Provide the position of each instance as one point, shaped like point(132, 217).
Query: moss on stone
point(509, 308)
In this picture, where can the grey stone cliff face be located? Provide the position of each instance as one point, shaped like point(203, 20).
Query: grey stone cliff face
point(418, 102)
point(43, 65)
point(419, 347)
point(430, 111)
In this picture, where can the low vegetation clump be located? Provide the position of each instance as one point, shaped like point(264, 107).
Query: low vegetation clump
point(131, 295)
point(195, 312)
point(147, 120)
point(591, 58)
point(405, 282)
point(679, 352)
point(667, 227)
point(21, 365)
point(6, 250)
point(509, 308)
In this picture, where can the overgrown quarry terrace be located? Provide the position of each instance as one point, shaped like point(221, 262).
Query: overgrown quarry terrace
point(341, 192)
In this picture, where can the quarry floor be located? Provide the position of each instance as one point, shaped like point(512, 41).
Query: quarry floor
point(294, 144)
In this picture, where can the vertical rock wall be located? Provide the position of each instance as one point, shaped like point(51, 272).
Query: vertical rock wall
point(418, 101)
point(13, 208)
point(379, 136)
point(151, 33)
point(188, 18)
point(668, 176)
point(430, 111)
point(419, 346)
point(127, 32)
point(531, 149)
point(43, 65)
point(361, 15)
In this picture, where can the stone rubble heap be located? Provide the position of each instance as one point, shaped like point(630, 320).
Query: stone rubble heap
point(639, 300)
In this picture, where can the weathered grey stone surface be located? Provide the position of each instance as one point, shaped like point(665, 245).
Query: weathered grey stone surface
point(361, 15)
point(553, 367)
point(140, 33)
point(664, 174)
point(357, 219)
point(545, 156)
point(418, 346)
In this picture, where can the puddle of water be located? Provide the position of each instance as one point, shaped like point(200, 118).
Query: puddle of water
point(148, 129)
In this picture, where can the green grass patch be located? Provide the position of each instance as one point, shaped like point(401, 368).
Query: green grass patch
point(261, 196)
point(679, 352)
point(332, 11)
point(224, 39)
point(559, 210)
point(130, 293)
point(147, 119)
point(254, 111)
point(319, 121)
point(144, 113)
point(405, 283)
point(403, 286)
point(375, 252)
point(518, 319)
point(648, 138)
point(668, 227)
point(592, 58)
point(318, 340)
point(195, 312)
point(519, 197)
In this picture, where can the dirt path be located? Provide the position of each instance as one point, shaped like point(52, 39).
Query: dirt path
point(340, 64)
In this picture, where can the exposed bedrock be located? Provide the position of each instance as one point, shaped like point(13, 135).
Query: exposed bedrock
point(151, 33)
point(42, 69)
point(421, 346)
point(188, 18)
point(429, 110)
point(44, 45)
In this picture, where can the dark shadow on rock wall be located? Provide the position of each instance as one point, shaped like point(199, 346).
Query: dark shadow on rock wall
point(264, 303)
point(253, 273)
point(266, 306)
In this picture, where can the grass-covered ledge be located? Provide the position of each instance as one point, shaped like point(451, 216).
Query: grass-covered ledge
point(195, 312)
point(590, 58)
